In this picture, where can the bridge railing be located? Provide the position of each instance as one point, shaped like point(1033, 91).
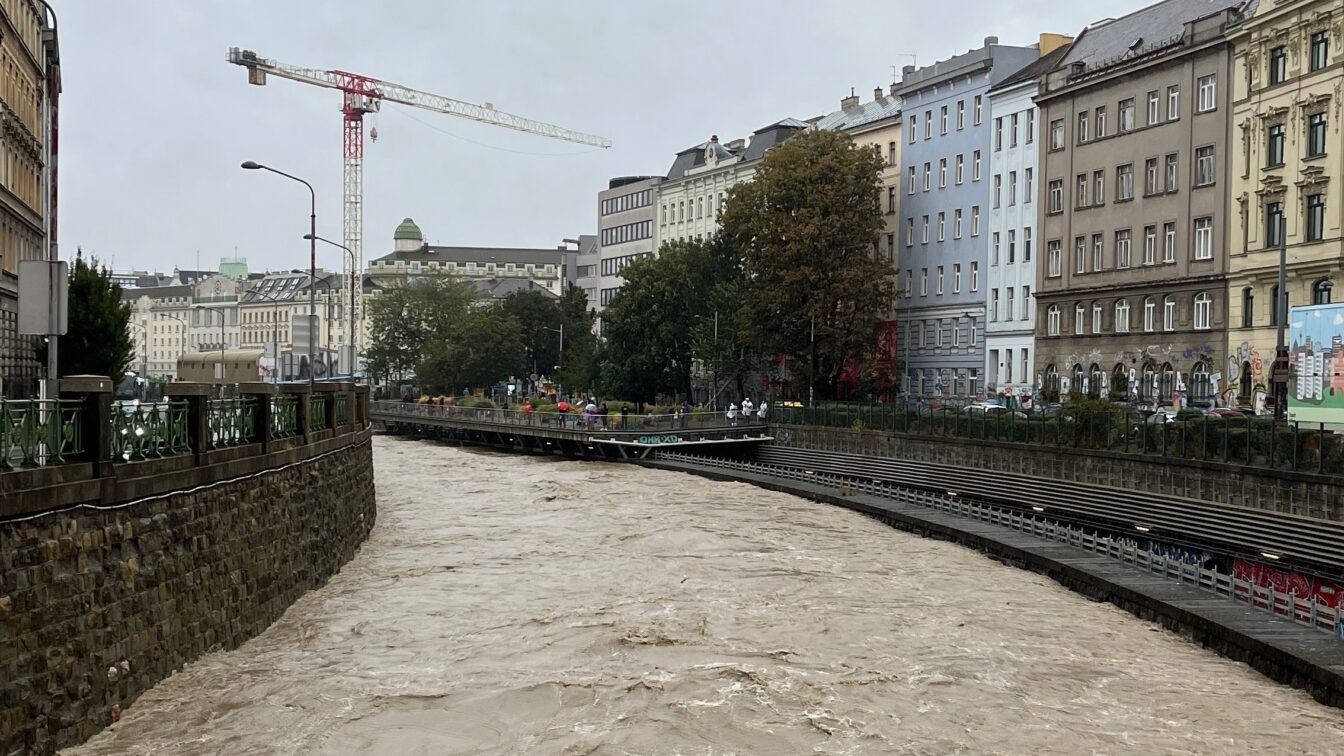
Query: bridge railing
point(574, 420)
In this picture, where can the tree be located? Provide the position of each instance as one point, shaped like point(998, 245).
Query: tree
point(402, 319)
point(540, 317)
point(98, 340)
point(481, 348)
point(806, 229)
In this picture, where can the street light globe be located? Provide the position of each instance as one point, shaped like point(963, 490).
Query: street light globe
point(251, 165)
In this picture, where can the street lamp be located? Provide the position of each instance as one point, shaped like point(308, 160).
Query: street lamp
point(354, 276)
point(312, 265)
point(327, 283)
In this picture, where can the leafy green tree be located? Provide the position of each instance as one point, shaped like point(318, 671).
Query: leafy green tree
point(479, 349)
point(402, 319)
point(540, 316)
point(807, 229)
point(98, 340)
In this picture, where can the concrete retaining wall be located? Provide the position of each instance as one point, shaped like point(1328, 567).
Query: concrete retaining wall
point(97, 606)
point(1307, 495)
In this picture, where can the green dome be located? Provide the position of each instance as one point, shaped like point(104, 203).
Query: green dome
point(408, 230)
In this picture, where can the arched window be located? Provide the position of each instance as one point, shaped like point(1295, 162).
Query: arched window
point(1096, 317)
point(1148, 382)
point(1320, 291)
point(1052, 321)
point(1167, 386)
point(1094, 381)
point(1122, 316)
point(1120, 387)
point(1149, 314)
point(1079, 319)
point(1244, 391)
point(1077, 384)
point(1203, 311)
point(1200, 387)
point(1169, 313)
point(1050, 382)
point(1247, 307)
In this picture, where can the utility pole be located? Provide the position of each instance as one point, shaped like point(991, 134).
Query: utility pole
point(1279, 373)
point(812, 365)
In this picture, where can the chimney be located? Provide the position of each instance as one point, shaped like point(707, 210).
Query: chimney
point(989, 41)
point(714, 138)
point(851, 101)
point(877, 93)
point(893, 89)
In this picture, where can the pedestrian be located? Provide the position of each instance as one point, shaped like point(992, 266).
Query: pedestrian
point(760, 411)
point(732, 413)
point(563, 409)
point(685, 415)
point(602, 414)
point(528, 410)
point(625, 416)
point(590, 413)
point(748, 409)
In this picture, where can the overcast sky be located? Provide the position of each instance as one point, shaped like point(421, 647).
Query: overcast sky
point(154, 122)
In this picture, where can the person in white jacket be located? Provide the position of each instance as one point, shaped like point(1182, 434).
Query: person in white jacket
point(760, 411)
point(748, 409)
point(732, 413)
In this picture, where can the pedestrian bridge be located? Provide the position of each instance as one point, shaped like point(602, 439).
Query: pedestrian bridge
point(572, 434)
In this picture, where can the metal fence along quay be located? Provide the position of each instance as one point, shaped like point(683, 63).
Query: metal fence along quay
point(1302, 611)
point(39, 431)
point(574, 420)
point(1254, 441)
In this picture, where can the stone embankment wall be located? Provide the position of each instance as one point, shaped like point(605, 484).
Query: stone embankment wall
point(98, 605)
point(1320, 496)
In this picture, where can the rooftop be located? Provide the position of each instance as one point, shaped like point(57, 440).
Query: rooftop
point(1109, 42)
point(498, 255)
point(865, 113)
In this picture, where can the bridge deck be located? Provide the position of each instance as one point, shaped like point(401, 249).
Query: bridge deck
point(613, 436)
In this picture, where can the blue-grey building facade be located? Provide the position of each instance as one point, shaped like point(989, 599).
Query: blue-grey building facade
point(946, 185)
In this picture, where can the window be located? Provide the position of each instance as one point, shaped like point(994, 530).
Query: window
point(913, 129)
point(1204, 238)
point(1273, 224)
point(1101, 122)
point(891, 153)
point(961, 114)
point(1173, 102)
point(928, 176)
point(956, 279)
point(1084, 120)
point(1154, 107)
point(1169, 313)
point(891, 247)
point(1080, 191)
point(942, 226)
point(975, 276)
point(923, 282)
point(1203, 311)
point(942, 120)
point(956, 223)
point(1149, 245)
point(1012, 139)
point(960, 169)
point(1208, 93)
point(1277, 303)
point(1126, 115)
point(928, 124)
point(1098, 187)
point(1124, 183)
point(1149, 310)
point(1096, 317)
point(994, 249)
point(1274, 142)
point(1278, 64)
point(939, 290)
point(1320, 292)
point(1320, 51)
point(1150, 177)
point(1052, 255)
point(942, 173)
point(1171, 172)
point(1204, 175)
point(1031, 126)
point(1079, 319)
point(975, 220)
point(975, 166)
point(891, 199)
point(1080, 254)
point(1315, 217)
point(1122, 316)
point(924, 230)
point(1122, 245)
point(1026, 309)
point(1012, 246)
point(977, 111)
point(1052, 320)
point(1168, 242)
point(1026, 244)
point(1057, 134)
point(1012, 188)
point(909, 232)
point(1316, 134)
point(1247, 307)
point(998, 187)
point(1027, 187)
point(1098, 252)
point(910, 180)
point(998, 134)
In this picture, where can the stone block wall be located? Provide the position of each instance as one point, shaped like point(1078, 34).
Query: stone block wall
point(1319, 496)
point(98, 606)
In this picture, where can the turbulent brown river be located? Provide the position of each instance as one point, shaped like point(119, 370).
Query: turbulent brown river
point(509, 604)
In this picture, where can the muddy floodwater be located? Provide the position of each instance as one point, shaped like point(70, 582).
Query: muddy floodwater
point(510, 604)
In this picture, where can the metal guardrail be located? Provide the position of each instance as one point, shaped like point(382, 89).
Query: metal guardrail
point(232, 422)
point(284, 416)
point(576, 420)
point(149, 429)
point(1252, 441)
point(37, 432)
point(342, 410)
point(1307, 612)
point(317, 411)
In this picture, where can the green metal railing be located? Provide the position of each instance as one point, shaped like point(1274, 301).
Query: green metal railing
point(149, 429)
point(1253, 441)
point(342, 410)
point(284, 416)
point(232, 422)
point(317, 411)
point(35, 432)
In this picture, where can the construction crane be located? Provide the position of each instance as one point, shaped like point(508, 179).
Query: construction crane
point(365, 94)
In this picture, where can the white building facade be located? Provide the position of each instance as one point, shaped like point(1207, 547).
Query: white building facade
point(625, 233)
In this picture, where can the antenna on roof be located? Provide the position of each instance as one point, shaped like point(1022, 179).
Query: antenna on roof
point(914, 59)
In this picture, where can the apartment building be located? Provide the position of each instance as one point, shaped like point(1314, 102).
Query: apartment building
point(412, 258)
point(1133, 207)
point(1287, 177)
point(1010, 322)
point(160, 327)
point(945, 173)
point(625, 233)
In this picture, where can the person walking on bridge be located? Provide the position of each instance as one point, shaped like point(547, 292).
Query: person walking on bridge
point(732, 413)
point(602, 414)
point(748, 409)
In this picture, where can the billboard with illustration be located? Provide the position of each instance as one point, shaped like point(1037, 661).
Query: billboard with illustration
point(1316, 352)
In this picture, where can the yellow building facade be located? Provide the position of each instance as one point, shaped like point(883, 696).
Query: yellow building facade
point(1287, 171)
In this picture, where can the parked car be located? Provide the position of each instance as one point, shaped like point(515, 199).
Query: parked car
point(991, 410)
point(1161, 417)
